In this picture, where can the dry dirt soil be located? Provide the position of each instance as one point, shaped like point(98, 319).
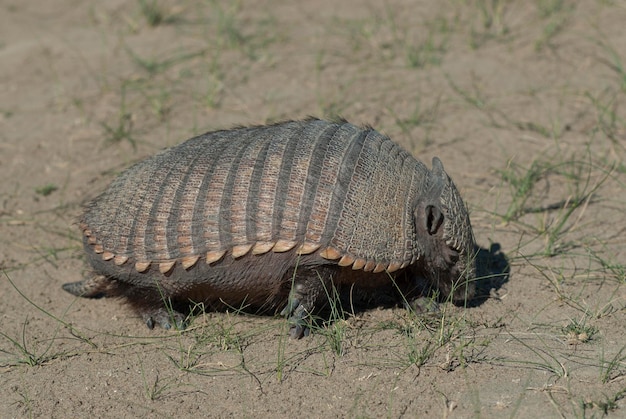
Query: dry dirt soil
point(524, 101)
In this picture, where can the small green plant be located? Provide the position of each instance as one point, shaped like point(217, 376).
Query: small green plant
point(227, 23)
point(522, 183)
point(159, 101)
point(614, 368)
point(492, 25)
point(546, 359)
point(500, 119)
point(614, 60)
point(419, 353)
point(492, 13)
point(158, 387)
point(577, 331)
point(281, 357)
point(424, 117)
point(606, 406)
point(27, 354)
point(151, 12)
point(428, 52)
point(475, 98)
point(25, 402)
point(333, 105)
point(609, 121)
point(46, 189)
point(547, 8)
point(530, 186)
point(28, 350)
point(122, 128)
point(335, 331)
point(612, 268)
point(553, 27)
point(155, 66)
point(214, 83)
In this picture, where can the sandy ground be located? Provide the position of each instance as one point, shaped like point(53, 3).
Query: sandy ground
point(524, 101)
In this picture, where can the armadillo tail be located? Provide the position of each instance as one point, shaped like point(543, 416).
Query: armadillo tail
point(93, 287)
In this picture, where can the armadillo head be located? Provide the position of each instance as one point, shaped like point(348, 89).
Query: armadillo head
point(445, 233)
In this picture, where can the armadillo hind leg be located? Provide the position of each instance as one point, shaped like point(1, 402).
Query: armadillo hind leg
point(95, 286)
point(167, 318)
point(423, 305)
point(155, 308)
point(309, 293)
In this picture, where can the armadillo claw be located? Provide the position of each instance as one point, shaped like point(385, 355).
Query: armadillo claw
point(167, 319)
point(298, 324)
point(424, 305)
point(297, 317)
point(298, 331)
point(291, 306)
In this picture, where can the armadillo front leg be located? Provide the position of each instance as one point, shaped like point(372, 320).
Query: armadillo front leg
point(153, 308)
point(310, 291)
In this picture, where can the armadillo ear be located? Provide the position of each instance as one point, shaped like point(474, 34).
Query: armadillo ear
point(437, 168)
point(434, 219)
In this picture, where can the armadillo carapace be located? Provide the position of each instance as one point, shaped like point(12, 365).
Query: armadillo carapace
point(272, 217)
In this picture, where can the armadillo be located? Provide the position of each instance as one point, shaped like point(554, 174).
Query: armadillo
point(270, 217)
